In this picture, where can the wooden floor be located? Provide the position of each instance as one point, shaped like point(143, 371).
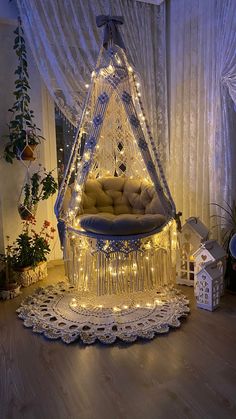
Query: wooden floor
point(189, 373)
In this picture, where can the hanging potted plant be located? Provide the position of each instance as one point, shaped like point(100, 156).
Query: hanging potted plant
point(23, 134)
point(39, 187)
point(28, 254)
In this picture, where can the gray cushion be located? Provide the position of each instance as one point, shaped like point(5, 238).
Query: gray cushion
point(123, 224)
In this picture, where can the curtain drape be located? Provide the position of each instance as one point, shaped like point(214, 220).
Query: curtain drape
point(202, 75)
point(201, 47)
point(65, 43)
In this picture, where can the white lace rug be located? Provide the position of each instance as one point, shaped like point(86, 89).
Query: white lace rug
point(60, 311)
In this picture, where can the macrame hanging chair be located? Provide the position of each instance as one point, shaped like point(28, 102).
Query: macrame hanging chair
point(116, 216)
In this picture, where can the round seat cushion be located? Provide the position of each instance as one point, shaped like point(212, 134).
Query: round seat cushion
point(119, 225)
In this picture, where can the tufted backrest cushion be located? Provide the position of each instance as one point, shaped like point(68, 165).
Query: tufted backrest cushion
point(120, 195)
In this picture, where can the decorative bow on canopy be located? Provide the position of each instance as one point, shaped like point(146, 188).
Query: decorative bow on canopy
point(111, 32)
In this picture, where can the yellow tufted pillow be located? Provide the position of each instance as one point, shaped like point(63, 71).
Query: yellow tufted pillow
point(117, 195)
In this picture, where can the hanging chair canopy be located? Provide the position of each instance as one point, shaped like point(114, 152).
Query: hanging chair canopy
point(114, 183)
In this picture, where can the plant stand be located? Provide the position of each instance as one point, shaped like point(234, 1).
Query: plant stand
point(31, 275)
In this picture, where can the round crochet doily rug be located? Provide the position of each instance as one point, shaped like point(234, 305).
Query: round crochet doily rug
point(60, 311)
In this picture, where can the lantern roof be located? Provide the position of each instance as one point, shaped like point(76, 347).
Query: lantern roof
point(211, 270)
point(197, 227)
point(213, 248)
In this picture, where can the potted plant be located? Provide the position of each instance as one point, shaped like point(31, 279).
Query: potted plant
point(28, 254)
point(9, 288)
point(23, 134)
point(40, 186)
point(227, 222)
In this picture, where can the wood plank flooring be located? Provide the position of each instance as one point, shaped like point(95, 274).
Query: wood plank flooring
point(189, 373)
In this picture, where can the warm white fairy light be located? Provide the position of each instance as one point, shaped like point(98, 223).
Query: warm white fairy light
point(116, 309)
point(86, 86)
point(130, 69)
point(77, 187)
point(87, 156)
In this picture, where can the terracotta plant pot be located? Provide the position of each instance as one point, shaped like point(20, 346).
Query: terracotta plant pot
point(28, 152)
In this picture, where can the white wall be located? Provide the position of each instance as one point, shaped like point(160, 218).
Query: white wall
point(12, 176)
point(8, 10)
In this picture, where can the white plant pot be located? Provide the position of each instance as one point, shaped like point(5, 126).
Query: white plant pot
point(31, 275)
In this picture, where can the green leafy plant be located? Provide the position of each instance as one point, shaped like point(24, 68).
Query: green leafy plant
point(23, 132)
point(40, 186)
point(227, 222)
point(30, 248)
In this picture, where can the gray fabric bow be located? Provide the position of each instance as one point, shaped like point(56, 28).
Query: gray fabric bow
point(111, 32)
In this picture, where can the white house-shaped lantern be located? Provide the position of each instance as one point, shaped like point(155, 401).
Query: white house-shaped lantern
point(207, 284)
point(211, 251)
point(193, 233)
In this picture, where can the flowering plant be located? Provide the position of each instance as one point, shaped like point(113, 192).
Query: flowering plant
point(30, 247)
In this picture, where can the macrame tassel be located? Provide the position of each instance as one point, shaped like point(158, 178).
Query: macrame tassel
point(93, 270)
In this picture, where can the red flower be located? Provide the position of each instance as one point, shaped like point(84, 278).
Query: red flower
point(53, 230)
point(46, 224)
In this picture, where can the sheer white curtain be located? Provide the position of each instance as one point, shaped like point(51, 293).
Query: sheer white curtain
point(65, 42)
point(202, 88)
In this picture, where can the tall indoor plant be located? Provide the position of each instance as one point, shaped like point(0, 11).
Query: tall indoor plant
point(23, 134)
